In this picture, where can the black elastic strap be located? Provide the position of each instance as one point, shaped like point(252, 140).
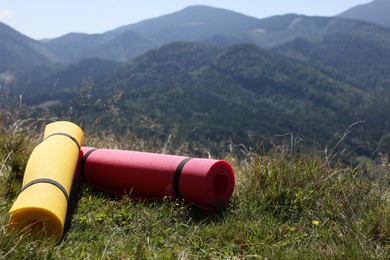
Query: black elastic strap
point(67, 135)
point(176, 177)
point(82, 164)
point(50, 181)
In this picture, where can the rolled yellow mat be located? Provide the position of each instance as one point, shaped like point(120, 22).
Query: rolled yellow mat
point(42, 204)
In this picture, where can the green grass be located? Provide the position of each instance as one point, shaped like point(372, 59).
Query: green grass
point(284, 206)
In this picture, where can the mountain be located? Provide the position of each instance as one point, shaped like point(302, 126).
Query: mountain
point(124, 47)
point(352, 51)
point(74, 46)
point(204, 96)
point(198, 24)
point(78, 46)
point(278, 30)
point(64, 84)
point(234, 79)
point(194, 23)
point(376, 12)
point(20, 52)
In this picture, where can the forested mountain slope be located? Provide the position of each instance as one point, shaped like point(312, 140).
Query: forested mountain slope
point(376, 12)
point(208, 96)
point(21, 53)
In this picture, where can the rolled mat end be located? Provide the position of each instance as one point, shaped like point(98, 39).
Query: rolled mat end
point(38, 221)
point(207, 183)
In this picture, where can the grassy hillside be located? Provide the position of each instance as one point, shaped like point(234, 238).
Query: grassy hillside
point(285, 205)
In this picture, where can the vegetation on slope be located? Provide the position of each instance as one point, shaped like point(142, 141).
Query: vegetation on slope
point(210, 96)
point(64, 84)
point(373, 12)
point(285, 205)
point(359, 56)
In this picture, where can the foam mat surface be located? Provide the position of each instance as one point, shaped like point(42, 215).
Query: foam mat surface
point(42, 204)
point(206, 183)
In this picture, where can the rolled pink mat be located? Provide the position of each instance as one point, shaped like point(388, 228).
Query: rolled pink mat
point(204, 182)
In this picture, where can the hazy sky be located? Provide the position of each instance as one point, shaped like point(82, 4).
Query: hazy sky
point(48, 19)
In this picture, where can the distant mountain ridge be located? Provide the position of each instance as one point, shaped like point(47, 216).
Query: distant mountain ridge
point(195, 23)
point(21, 52)
point(376, 12)
point(74, 46)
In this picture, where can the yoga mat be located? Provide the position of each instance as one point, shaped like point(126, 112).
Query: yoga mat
point(42, 204)
point(204, 182)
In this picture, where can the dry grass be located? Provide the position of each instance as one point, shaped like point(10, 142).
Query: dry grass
point(285, 206)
